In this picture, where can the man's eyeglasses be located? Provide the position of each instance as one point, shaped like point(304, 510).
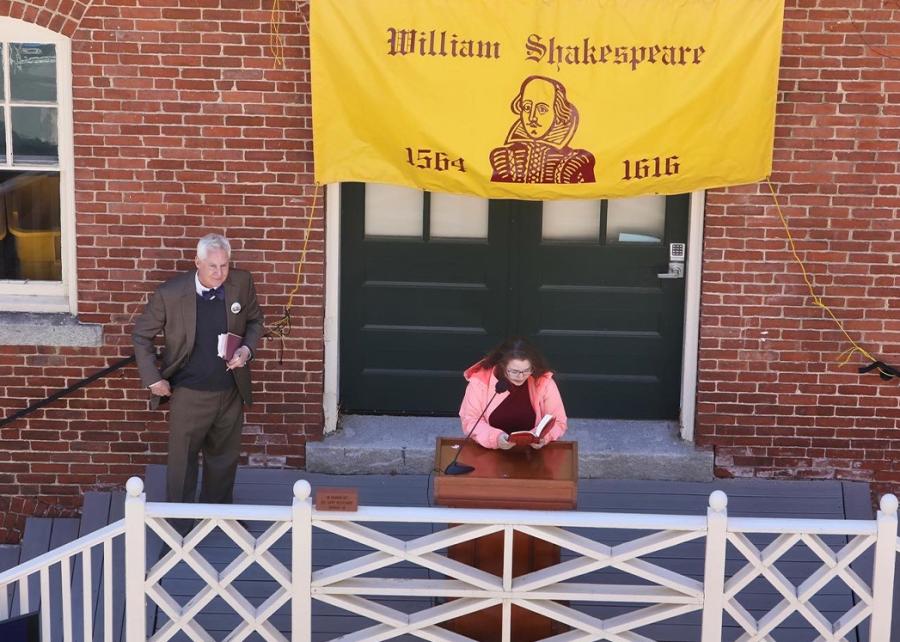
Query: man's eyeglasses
point(512, 372)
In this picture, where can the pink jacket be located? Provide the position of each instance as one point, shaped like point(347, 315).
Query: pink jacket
point(544, 398)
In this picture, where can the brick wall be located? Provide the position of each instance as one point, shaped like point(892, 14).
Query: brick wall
point(183, 125)
point(773, 399)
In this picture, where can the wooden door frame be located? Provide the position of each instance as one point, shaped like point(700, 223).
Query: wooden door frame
point(693, 271)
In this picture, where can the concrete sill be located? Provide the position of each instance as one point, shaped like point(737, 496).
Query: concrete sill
point(46, 329)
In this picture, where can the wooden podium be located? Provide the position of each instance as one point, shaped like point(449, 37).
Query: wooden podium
point(524, 478)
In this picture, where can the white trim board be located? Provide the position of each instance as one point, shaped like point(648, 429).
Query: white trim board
point(332, 304)
point(693, 273)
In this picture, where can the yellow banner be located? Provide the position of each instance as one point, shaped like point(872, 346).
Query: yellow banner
point(545, 99)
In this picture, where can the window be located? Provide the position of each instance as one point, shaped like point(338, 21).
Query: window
point(641, 219)
point(624, 220)
point(458, 217)
point(37, 244)
point(393, 211)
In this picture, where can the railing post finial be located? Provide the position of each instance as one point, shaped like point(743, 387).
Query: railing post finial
point(134, 486)
point(888, 504)
point(302, 489)
point(718, 500)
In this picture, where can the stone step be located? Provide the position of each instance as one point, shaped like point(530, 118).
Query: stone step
point(607, 448)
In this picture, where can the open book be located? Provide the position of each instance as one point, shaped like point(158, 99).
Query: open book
point(228, 343)
point(525, 437)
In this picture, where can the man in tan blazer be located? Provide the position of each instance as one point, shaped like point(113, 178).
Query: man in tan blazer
point(207, 394)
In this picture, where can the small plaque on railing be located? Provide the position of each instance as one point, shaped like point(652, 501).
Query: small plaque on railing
point(337, 499)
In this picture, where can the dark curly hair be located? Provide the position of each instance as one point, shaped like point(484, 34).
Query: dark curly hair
point(515, 348)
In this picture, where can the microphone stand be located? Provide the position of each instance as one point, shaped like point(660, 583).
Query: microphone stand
point(454, 468)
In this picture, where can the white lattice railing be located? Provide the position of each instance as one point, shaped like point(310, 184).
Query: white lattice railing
point(874, 602)
point(618, 577)
point(69, 585)
point(180, 617)
point(670, 594)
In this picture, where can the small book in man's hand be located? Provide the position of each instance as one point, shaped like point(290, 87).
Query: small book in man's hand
point(533, 436)
point(228, 344)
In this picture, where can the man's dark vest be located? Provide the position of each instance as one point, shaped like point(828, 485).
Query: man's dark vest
point(205, 370)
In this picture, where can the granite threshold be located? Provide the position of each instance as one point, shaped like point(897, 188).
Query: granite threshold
point(607, 448)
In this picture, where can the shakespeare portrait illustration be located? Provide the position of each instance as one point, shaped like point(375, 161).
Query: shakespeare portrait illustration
point(537, 145)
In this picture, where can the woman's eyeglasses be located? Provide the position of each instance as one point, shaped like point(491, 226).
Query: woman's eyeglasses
point(512, 372)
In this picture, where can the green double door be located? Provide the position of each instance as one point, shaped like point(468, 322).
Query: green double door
point(417, 308)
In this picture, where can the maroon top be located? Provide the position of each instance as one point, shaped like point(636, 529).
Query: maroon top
point(515, 412)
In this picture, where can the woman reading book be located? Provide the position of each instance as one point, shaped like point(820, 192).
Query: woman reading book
point(504, 418)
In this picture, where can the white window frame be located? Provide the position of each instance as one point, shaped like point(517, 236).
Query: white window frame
point(48, 296)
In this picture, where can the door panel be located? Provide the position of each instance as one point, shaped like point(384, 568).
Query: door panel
point(611, 328)
point(416, 311)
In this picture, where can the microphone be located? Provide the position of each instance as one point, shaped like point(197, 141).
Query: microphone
point(460, 469)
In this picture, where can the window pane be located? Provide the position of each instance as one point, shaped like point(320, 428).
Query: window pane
point(2, 72)
point(459, 217)
point(393, 211)
point(571, 220)
point(636, 220)
point(3, 136)
point(32, 72)
point(34, 135)
point(29, 226)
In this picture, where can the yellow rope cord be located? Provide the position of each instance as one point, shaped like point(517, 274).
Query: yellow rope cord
point(276, 42)
point(855, 347)
point(309, 220)
point(279, 327)
point(282, 327)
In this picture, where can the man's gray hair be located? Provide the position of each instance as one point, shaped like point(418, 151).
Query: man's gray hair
point(213, 242)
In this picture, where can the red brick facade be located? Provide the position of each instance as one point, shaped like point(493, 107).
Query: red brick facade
point(773, 399)
point(183, 124)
